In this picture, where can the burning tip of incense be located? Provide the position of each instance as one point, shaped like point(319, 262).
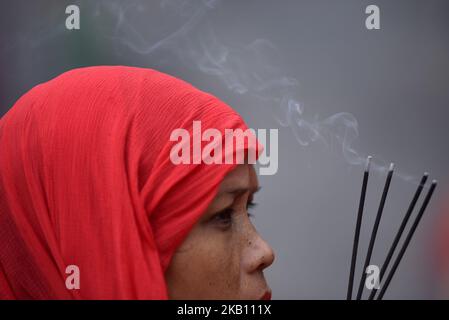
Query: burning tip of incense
point(434, 181)
point(426, 174)
point(391, 167)
point(368, 161)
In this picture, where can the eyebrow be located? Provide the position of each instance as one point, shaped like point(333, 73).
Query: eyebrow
point(243, 189)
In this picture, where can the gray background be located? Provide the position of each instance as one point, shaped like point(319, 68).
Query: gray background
point(256, 54)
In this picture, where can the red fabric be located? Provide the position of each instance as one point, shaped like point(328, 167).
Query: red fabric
point(442, 241)
point(86, 179)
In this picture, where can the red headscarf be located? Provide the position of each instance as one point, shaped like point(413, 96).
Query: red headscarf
point(86, 180)
point(442, 241)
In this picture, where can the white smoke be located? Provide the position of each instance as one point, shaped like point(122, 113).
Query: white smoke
point(252, 69)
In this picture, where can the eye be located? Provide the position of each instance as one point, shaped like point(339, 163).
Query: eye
point(250, 205)
point(223, 219)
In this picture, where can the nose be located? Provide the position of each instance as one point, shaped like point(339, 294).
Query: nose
point(262, 254)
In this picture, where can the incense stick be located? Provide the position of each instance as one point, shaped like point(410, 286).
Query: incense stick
point(357, 228)
point(374, 231)
point(407, 240)
point(400, 231)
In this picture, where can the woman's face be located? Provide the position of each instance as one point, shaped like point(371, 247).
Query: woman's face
point(223, 257)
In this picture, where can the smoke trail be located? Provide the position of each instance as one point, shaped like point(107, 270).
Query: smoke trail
point(251, 69)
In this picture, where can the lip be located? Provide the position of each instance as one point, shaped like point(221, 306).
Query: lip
point(266, 296)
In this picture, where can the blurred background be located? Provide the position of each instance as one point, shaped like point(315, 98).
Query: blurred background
point(337, 92)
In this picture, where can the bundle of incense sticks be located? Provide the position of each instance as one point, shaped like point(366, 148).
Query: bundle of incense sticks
point(385, 283)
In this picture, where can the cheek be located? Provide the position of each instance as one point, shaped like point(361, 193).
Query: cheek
point(207, 265)
point(221, 265)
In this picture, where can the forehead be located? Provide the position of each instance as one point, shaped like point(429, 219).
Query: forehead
point(242, 177)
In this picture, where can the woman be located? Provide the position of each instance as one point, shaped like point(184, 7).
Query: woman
point(91, 207)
